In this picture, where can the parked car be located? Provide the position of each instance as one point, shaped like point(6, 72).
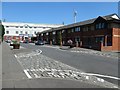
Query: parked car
point(26, 41)
point(39, 43)
point(8, 41)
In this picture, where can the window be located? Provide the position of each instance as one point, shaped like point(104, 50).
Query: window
point(26, 32)
point(72, 30)
point(103, 25)
point(100, 25)
point(63, 31)
point(97, 26)
point(99, 39)
point(69, 31)
point(46, 33)
point(16, 26)
point(42, 34)
point(35, 32)
point(86, 28)
point(77, 29)
point(16, 32)
point(53, 33)
point(44, 27)
point(21, 26)
point(7, 32)
point(21, 32)
point(77, 39)
point(47, 39)
point(7, 26)
point(89, 28)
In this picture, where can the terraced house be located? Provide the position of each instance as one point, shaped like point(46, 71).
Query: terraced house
point(101, 33)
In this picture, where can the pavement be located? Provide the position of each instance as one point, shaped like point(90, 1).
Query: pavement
point(95, 52)
point(0, 65)
point(92, 52)
point(30, 69)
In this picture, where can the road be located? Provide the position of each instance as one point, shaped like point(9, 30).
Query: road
point(19, 71)
point(88, 63)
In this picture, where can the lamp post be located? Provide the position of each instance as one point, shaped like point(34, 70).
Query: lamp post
point(75, 14)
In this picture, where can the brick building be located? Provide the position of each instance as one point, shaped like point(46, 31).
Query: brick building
point(101, 33)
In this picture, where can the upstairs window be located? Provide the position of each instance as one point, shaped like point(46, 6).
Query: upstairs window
point(103, 25)
point(16, 32)
point(16, 26)
point(21, 26)
point(44, 27)
point(77, 29)
point(86, 28)
point(7, 32)
point(100, 26)
point(72, 30)
point(69, 31)
point(97, 26)
point(7, 26)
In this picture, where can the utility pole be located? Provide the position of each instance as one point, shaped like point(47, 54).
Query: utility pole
point(75, 14)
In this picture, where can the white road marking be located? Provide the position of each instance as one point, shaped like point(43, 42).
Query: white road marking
point(92, 74)
point(15, 56)
point(40, 51)
point(87, 77)
point(27, 74)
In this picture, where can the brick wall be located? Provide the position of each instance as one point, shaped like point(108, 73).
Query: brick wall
point(116, 39)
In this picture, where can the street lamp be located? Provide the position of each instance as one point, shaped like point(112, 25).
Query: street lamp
point(75, 14)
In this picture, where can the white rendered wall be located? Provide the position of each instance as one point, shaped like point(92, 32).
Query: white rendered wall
point(40, 27)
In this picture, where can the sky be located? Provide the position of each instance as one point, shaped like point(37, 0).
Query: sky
point(55, 12)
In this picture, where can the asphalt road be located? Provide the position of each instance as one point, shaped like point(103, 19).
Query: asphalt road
point(85, 62)
point(14, 77)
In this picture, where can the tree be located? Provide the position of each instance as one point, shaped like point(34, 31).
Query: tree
point(2, 31)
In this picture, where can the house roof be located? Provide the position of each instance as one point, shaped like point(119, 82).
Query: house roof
point(90, 21)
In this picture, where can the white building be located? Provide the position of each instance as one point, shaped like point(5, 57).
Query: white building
point(24, 30)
